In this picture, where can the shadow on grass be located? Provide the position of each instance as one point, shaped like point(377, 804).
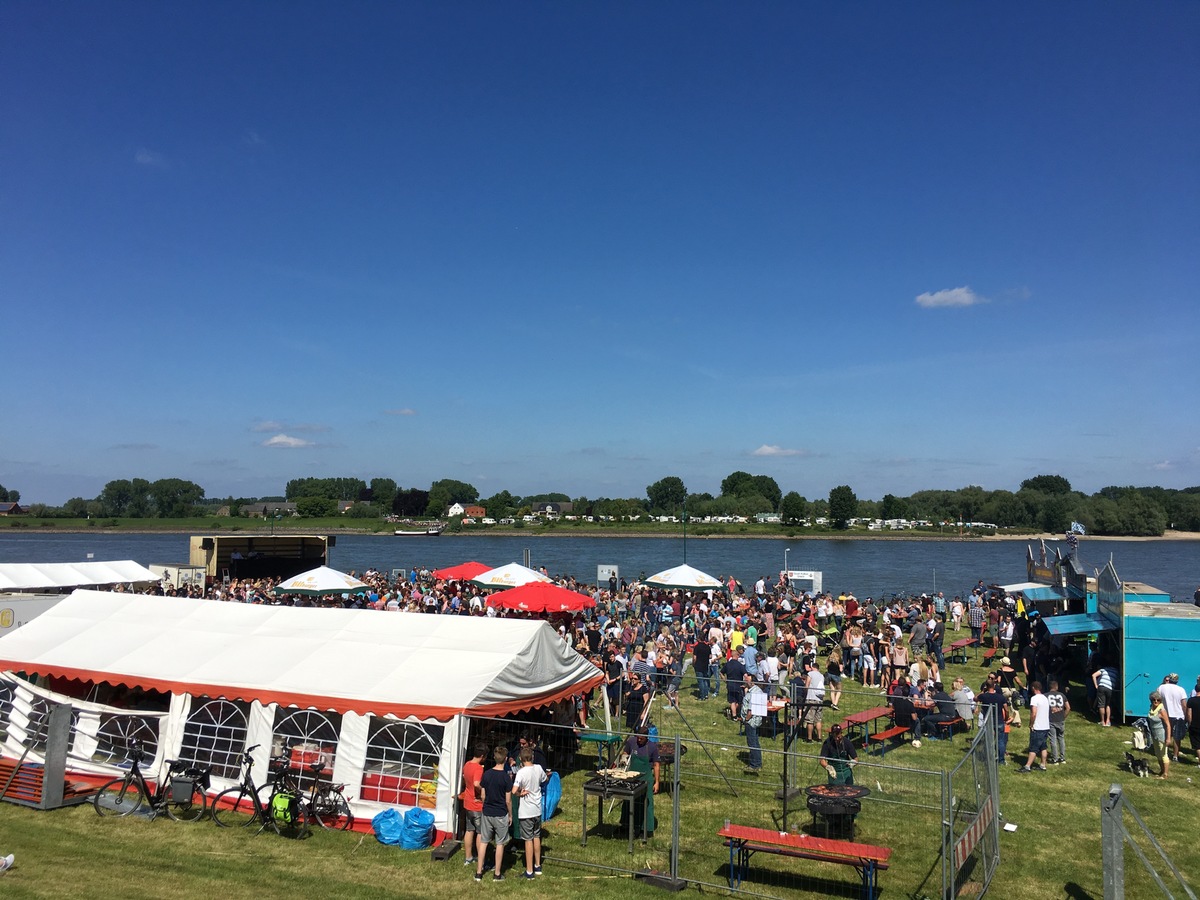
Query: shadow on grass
point(1075, 892)
point(824, 887)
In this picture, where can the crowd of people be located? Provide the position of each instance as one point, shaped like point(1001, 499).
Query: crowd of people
point(758, 641)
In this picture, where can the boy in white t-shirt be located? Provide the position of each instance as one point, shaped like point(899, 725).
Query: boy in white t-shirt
point(528, 786)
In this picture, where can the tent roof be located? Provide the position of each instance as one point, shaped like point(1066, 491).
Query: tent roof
point(36, 576)
point(1034, 591)
point(341, 659)
point(1078, 623)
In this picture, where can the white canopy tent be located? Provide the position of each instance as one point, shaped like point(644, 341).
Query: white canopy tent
point(46, 576)
point(509, 576)
point(356, 674)
point(686, 578)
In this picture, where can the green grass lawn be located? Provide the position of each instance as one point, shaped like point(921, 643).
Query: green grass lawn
point(1055, 851)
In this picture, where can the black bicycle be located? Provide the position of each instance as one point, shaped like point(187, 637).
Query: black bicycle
point(181, 795)
point(279, 804)
point(238, 806)
point(326, 803)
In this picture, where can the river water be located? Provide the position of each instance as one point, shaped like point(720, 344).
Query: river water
point(866, 567)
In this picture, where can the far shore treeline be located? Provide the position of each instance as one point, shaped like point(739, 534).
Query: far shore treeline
point(1044, 503)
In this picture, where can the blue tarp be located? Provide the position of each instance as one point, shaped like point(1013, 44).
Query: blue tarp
point(1079, 623)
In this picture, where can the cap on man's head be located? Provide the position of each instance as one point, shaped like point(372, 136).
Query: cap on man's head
point(1173, 678)
point(835, 729)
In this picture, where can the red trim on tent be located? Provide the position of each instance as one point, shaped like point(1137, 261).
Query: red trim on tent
point(304, 701)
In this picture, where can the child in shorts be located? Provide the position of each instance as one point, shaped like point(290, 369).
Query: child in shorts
point(528, 786)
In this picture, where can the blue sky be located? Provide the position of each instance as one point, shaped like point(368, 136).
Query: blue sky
point(579, 247)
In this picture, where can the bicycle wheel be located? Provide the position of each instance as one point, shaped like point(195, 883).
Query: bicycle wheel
point(189, 810)
point(119, 798)
point(333, 811)
point(235, 807)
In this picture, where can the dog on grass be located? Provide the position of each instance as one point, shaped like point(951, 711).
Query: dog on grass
point(1139, 767)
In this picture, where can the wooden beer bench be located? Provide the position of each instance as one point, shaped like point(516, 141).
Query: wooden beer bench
point(744, 841)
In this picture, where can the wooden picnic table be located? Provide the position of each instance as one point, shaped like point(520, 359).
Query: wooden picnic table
point(744, 841)
point(864, 723)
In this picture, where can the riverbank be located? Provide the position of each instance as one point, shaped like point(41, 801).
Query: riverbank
point(701, 532)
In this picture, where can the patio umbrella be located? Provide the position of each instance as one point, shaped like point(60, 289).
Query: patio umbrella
point(537, 596)
point(462, 572)
point(685, 578)
point(509, 576)
point(320, 581)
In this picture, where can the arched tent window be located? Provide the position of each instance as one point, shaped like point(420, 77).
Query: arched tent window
point(308, 736)
point(215, 734)
point(117, 730)
point(401, 762)
point(37, 729)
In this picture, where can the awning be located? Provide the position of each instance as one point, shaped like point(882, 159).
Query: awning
point(1078, 623)
point(1033, 591)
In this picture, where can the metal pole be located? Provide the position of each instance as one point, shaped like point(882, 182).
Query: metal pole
point(1112, 843)
point(675, 808)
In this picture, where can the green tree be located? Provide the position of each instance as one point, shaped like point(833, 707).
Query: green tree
point(410, 502)
point(766, 486)
point(737, 483)
point(116, 497)
point(1141, 516)
point(141, 501)
point(793, 507)
point(891, 507)
point(843, 506)
point(443, 494)
point(174, 498)
point(75, 508)
point(500, 505)
point(316, 507)
point(1047, 484)
point(383, 492)
point(666, 494)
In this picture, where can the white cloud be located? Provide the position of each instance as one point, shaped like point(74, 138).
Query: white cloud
point(1164, 466)
point(775, 450)
point(150, 158)
point(960, 296)
point(267, 426)
point(252, 138)
point(287, 441)
point(400, 412)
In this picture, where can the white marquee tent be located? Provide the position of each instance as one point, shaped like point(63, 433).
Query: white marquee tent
point(380, 696)
point(44, 576)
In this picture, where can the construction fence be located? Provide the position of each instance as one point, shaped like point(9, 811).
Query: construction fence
point(941, 826)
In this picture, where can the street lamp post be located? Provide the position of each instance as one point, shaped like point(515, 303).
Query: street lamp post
point(274, 516)
point(786, 551)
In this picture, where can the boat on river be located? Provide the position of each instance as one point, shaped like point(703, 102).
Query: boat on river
point(421, 529)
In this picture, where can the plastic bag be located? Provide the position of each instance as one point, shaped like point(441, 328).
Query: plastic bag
point(551, 794)
point(387, 826)
point(417, 831)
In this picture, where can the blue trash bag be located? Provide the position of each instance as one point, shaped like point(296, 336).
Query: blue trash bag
point(551, 794)
point(417, 831)
point(387, 826)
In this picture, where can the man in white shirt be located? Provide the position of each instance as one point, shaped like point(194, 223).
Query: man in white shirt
point(1174, 697)
point(1039, 727)
point(814, 699)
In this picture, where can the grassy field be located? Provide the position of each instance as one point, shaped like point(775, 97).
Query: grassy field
point(1055, 851)
point(346, 524)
